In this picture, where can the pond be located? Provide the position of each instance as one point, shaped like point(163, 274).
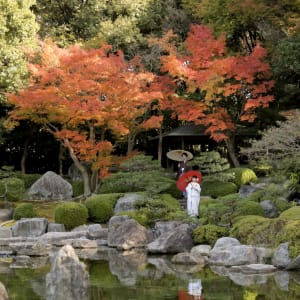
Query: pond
point(136, 276)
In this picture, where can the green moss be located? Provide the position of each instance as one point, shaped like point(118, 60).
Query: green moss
point(256, 230)
point(249, 208)
point(243, 176)
point(24, 210)
point(208, 234)
point(71, 214)
point(217, 189)
point(138, 216)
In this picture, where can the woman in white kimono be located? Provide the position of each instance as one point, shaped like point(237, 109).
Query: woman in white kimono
point(193, 190)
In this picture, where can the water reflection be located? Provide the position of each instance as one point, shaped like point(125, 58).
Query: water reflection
point(194, 291)
point(134, 275)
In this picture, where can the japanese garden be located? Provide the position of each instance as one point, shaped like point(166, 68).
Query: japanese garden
point(95, 94)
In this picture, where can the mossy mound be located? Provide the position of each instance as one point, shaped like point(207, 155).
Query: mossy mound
point(290, 214)
point(24, 210)
point(208, 234)
point(249, 208)
point(217, 189)
point(71, 214)
point(243, 176)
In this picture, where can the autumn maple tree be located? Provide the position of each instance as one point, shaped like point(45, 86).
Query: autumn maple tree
point(78, 95)
point(221, 90)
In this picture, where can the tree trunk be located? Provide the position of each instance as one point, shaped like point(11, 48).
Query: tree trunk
point(230, 145)
point(61, 158)
point(24, 155)
point(81, 168)
point(130, 143)
point(160, 141)
point(94, 181)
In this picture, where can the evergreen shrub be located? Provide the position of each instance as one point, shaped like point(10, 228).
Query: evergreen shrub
point(153, 182)
point(217, 189)
point(78, 187)
point(12, 189)
point(29, 179)
point(140, 163)
point(71, 214)
point(24, 210)
point(100, 207)
point(209, 234)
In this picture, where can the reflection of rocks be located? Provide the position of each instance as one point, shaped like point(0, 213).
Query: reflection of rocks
point(220, 270)
point(31, 248)
point(24, 261)
point(248, 279)
point(162, 264)
point(68, 278)
point(282, 279)
point(3, 292)
point(186, 269)
point(254, 269)
point(125, 265)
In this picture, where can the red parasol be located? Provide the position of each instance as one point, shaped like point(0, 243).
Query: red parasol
point(186, 177)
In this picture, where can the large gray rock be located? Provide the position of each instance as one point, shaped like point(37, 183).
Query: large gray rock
point(281, 257)
point(229, 252)
point(126, 203)
point(163, 227)
point(270, 210)
point(51, 187)
point(6, 214)
point(56, 227)
point(30, 227)
point(187, 258)
point(125, 233)
point(68, 278)
point(175, 241)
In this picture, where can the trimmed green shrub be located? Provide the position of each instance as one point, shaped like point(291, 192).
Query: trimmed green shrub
point(217, 189)
point(243, 176)
point(71, 214)
point(24, 210)
point(209, 234)
point(12, 189)
point(173, 190)
point(100, 207)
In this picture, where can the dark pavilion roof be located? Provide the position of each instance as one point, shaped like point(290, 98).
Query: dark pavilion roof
point(193, 130)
